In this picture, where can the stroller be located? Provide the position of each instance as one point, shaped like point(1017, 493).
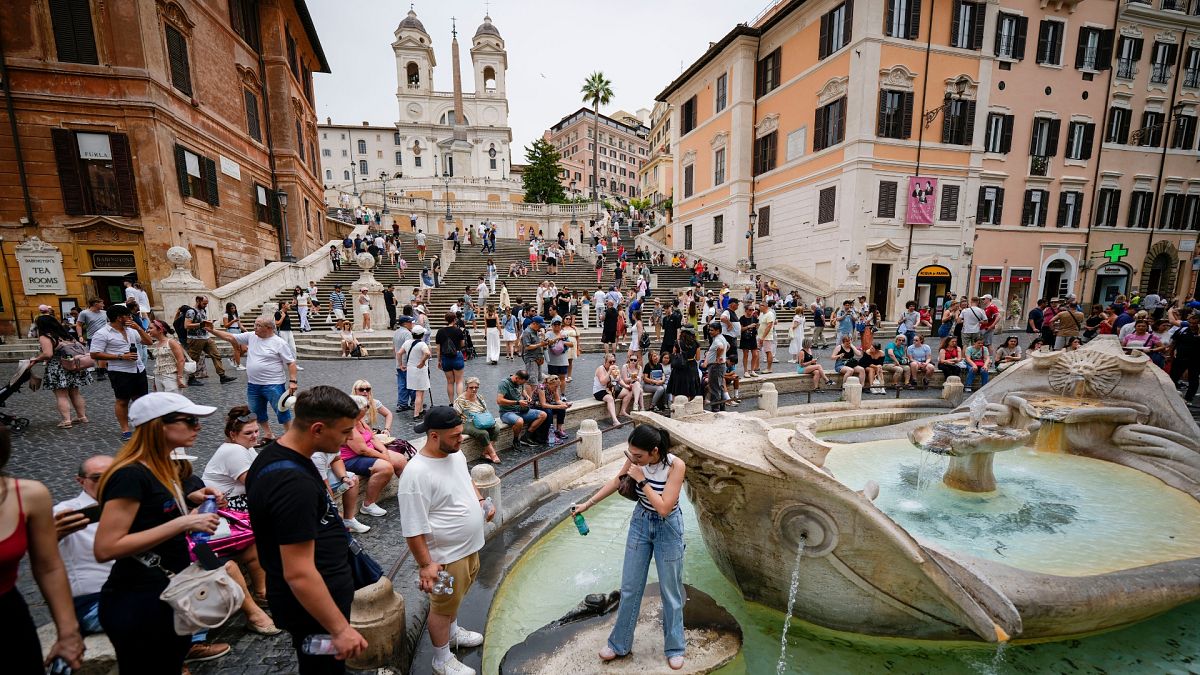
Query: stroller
point(469, 346)
point(19, 378)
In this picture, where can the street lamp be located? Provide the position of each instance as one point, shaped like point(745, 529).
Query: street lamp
point(354, 176)
point(960, 88)
point(446, 196)
point(750, 238)
point(383, 178)
point(282, 196)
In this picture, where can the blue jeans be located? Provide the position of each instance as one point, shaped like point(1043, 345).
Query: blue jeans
point(403, 395)
point(530, 416)
point(651, 534)
point(87, 610)
point(983, 374)
point(263, 398)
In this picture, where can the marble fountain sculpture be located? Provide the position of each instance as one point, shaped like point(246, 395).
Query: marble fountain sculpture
point(1092, 506)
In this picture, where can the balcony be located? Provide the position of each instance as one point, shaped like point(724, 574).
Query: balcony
point(1191, 78)
point(1175, 5)
point(1160, 73)
point(1039, 166)
point(1126, 68)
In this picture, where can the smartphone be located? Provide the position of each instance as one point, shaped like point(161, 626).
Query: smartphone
point(92, 513)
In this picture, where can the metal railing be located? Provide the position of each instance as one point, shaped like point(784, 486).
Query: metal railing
point(1039, 166)
point(1126, 68)
point(553, 450)
point(1160, 73)
point(1191, 77)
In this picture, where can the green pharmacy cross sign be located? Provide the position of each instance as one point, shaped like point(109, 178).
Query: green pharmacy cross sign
point(1115, 253)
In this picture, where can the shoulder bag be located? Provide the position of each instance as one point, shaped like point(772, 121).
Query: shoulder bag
point(74, 356)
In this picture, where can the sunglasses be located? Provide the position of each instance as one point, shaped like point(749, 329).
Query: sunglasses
point(474, 386)
point(192, 421)
point(363, 389)
point(91, 476)
point(242, 419)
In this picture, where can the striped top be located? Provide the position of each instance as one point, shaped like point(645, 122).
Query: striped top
point(656, 476)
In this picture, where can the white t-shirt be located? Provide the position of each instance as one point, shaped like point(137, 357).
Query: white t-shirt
point(83, 571)
point(972, 317)
point(420, 239)
point(438, 499)
point(322, 460)
point(109, 340)
point(228, 462)
point(266, 359)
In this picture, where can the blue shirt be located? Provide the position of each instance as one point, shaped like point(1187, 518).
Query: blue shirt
point(896, 353)
point(919, 353)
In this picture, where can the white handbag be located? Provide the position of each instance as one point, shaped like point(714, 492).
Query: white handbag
point(202, 599)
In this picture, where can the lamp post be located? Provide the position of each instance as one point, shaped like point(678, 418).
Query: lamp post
point(282, 196)
point(383, 178)
point(354, 176)
point(446, 196)
point(960, 88)
point(750, 238)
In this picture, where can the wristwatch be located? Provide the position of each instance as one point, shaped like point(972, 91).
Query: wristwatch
point(641, 484)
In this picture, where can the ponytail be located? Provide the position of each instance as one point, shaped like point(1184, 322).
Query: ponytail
point(647, 437)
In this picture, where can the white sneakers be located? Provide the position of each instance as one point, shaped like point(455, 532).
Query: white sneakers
point(462, 638)
point(465, 638)
point(452, 667)
point(241, 367)
point(372, 510)
point(354, 526)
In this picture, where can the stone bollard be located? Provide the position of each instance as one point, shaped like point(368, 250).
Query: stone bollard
point(378, 614)
point(591, 444)
point(485, 478)
point(768, 398)
point(695, 406)
point(952, 390)
point(852, 391)
point(679, 406)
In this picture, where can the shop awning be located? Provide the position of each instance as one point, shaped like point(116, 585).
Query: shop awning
point(115, 272)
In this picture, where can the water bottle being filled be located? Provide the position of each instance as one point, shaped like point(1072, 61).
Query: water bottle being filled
point(319, 644)
point(209, 506)
point(444, 584)
point(581, 524)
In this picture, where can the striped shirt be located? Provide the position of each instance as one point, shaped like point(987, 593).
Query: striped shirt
point(656, 475)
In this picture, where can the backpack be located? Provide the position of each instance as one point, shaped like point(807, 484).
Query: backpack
point(74, 356)
point(180, 325)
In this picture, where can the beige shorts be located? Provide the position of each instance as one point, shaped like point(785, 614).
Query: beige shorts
point(464, 571)
point(767, 346)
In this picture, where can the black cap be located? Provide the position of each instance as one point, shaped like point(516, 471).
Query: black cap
point(438, 417)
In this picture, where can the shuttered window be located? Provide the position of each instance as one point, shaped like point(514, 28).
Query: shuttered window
point(829, 125)
point(74, 36)
point(291, 54)
point(999, 133)
point(1011, 32)
point(886, 207)
point(1108, 207)
point(252, 122)
point(1070, 208)
point(718, 229)
point(827, 205)
point(764, 221)
point(764, 153)
point(95, 173)
point(903, 19)
point(835, 29)
point(766, 73)
point(895, 114)
point(949, 209)
point(1037, 202)
point(197, 176)
point(689, 173)
point(177, 58)
point(958, 123)
point(966, 24)
point(243, 18)
point(299, 140)
point(990, 209)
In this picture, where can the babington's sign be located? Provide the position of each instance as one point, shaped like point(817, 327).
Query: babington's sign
point(41, 268)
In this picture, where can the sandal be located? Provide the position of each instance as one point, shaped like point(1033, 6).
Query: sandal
point(81, 420)
point(65, 424)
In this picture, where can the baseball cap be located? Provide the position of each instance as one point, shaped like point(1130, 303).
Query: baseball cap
point(404, 318)
point(418, 330)
point(557, 319)
point(987, 296)
point(45, 309)
point(159, 403)
point(537, 319)
point(438, 417)
point(181, 454)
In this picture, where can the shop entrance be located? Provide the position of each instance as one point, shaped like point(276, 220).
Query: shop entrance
point(1111, 280)
point(881, 283)
point(1056, 280)
point(109, 271)
point(989, 282)
point(1018, 296)
point(933, 283)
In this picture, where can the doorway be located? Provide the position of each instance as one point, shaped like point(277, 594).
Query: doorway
point(1111, 280)
point(1158, 274)
point(881, 283)
point(1055, 281)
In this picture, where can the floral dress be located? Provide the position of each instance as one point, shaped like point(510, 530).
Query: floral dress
point(58, 377)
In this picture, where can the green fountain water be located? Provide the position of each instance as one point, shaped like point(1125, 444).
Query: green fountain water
point(555, 574)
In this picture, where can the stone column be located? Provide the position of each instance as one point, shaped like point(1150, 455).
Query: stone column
point(696, 405)
point(952, 390)
point(366, 279)
point(378, 614)
point(485, 479)
point(591, 446)
point(768, 398)
point(852, 391)
point(679, 406)
point(180, 287)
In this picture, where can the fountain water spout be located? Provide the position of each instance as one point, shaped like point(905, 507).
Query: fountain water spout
point(978, 409)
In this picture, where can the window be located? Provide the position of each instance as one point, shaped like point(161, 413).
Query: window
point(1080, 136)
point(835, 28)
point(903, 19)
point(764, 221)
point(1094, 51)
point(895, 114)
point(966, 25)
point(1191, 67)
point(1161, 59)
point(722, 92)
point(990, 207)
point(328, 174)
point(949, 208)
point(1129, 52)
point(764, 153)
point(830, 125)
point(1140, 202)
point(74, 36)
point(1107, 207)
point(177, 58)
point(299, 140)
point(958, 122)
point(719, 166)
point(197, 176)
point(326, 152)
point(396, 139)
point(95, 173)
point(1117, 130)
point(1191, 212)
point(243, 18)
point(1070, 209)
point(687, 236)
point(399, 159)
point(362, 147)
point(344, 153)
point(886, 208)
point(688, 175)
point(1171, 215)
point(1010, 36)
point(1151, 132)
point(252, 121)
point(1043, 142)
point(1034, 212)
point(687, 116)
point(1185, 132)
point(345, 175)
point(291, 54)
point(362, 167)
point(999, 133)
point(1050, 42)
point(417, 161)
point(262, 206)
point(826, 205)
point(766, 73)
point(718, 229)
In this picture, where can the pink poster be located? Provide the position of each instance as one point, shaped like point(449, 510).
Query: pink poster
point(922, 198)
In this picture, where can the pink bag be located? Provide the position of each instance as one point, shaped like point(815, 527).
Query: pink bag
point(240, 535)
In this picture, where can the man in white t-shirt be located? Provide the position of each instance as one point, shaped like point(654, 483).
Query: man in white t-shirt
point(443, 519)
point(972, 317)
point(420, 245)
point(117, 343)
point(76, 539)
point(270, 371)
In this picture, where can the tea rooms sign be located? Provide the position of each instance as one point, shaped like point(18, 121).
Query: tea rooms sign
point(41, 267)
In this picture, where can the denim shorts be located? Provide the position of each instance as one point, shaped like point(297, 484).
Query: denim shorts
point(530, 416)
point(360, 465)
point(455, 362)
point(262, 397)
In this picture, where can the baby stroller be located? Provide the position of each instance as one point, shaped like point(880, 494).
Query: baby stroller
point(469, 346)
point(19, 378)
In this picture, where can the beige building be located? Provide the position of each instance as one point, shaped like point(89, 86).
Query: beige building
point(656, 177)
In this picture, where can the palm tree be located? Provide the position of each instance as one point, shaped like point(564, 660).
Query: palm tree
point(596, 90)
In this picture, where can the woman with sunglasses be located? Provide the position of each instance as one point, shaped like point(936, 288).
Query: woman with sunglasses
point(366, 456)
point(169, 358)
point(602, 389)
point(376, 411)
point(469, 404)
point(227, 469)
point(631, 378)
point(144, 514)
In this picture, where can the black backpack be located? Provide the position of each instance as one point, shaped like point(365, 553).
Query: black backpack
point(180, 325)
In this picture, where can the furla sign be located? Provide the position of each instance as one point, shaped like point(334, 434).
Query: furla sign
point(41, 267)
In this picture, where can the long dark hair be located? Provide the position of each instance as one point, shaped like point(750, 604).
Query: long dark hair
point(49, 326)
point(649, 438)
point(5, 453)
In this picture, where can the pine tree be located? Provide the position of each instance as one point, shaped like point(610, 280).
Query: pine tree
point(542, 173)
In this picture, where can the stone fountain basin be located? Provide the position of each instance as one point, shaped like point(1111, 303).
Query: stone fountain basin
point(761, 493)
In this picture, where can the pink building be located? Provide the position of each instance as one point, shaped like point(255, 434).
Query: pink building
point(623, 149)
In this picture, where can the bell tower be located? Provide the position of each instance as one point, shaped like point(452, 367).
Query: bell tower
point(489, 60)
point(414, 57)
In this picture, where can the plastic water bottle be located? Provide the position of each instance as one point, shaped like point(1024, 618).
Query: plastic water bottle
point(319, 644)
point(209, 506)
point(581, 524)
point(444, 584)
point(486, 505)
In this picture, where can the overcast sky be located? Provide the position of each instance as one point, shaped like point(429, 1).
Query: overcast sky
point(552, 46)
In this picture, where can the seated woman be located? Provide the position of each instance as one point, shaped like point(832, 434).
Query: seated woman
point(1142, 340)
point(1008, 354)
point(606, 387)
point(845, 360)
point(920, 361)
point(950, 357)
point(872, 362)
point(631, 379)
point(654, 380)
point(809, 365)
point(979, 362)
point(346, 335)
point(378, 417)
point(550, 398)
point(365, 456)
point(469, 404)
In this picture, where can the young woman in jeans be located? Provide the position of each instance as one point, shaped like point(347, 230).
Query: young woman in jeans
point(655, 530)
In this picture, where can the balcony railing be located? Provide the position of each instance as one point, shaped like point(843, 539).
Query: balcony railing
point(1126, 68)
point(1005, 45)
point(1175, 5)
point(1191, 77)
point(1160, 73)
point(1039, 166)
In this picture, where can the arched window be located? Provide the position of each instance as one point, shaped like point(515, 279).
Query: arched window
point(362, 167)
point(412, 74)
point(345, 175)
point(328, 174)
point(362, 147)
point(489, 78)
point(448, 118)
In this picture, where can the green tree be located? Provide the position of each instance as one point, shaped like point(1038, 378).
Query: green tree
point(596, 90)
point(542, 171)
